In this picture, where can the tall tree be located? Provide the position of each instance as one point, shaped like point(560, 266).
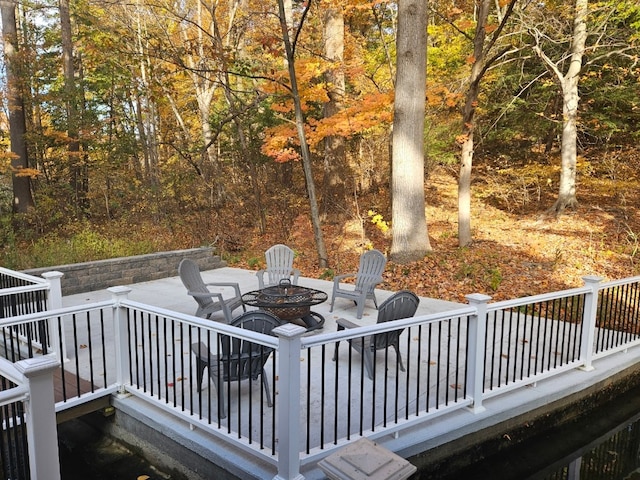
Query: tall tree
point(22, 198)
point(289, 47)
point(480, 64)
point(334, 145)
point(410, 238)
point(78, 180)
point(569, 82)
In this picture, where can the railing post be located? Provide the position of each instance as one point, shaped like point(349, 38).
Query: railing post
point(54, 301)
point(288, 405)
point(476, 340)
point(42, 433)
point(589, 321)
point(120, 321)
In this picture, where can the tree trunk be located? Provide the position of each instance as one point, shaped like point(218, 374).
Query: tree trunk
point(569, 151)
point(77, 181)
point(410, 238)
point(335, 193)
point(323, 261)
point(570, 99)
point(146, 112)
point(468, 127)
point(22, 199)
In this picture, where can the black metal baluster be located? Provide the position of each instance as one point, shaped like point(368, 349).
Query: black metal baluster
point(104, 348)
point(90, 350)
point(429, 340)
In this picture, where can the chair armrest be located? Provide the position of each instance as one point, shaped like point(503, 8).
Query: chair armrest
point(338, 278)
point(207, 295)
point(260, 274)
point(344, 323)
point(295, 273)
point(375, 281)
point(235, 286)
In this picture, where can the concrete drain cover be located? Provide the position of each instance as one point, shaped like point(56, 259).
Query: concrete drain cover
point(365, 459)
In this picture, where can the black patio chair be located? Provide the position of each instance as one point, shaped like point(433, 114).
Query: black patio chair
point(402, 304)
point(239, 359)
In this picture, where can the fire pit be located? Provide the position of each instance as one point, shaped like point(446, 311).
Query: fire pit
point(290, 303)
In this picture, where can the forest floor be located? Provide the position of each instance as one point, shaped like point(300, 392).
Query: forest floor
point(518, 249)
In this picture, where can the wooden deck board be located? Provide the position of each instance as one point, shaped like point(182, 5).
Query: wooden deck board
point(74, 387)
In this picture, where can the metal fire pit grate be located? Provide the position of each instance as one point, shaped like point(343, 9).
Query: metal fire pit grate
point(285, 300)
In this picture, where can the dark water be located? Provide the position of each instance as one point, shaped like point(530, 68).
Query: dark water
point(603, 444)
point(87, 454)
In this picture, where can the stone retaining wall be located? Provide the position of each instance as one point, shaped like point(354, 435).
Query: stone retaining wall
point(101, 274)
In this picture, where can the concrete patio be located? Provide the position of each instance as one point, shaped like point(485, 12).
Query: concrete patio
point(457, 428)
point(171, 294)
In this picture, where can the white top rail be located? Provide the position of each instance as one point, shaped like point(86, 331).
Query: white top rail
point(217, 327)
point(617, 283)
point(15, 394)
point(543, 297)
point(58, 312)
point(10, 372)
point(4, 292)
point(23, 276)
point(349, 333)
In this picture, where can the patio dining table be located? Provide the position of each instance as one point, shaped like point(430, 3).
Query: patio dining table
point(290, 303)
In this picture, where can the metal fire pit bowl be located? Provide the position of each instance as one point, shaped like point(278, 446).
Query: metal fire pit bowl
point(286, 301)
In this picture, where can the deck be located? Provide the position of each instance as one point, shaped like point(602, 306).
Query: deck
point(320, 378)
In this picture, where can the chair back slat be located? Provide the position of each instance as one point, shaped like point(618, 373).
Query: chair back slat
point(192, 279)
point(372, 265)
point(402, 304)
point(279, 260)
point(243, 359)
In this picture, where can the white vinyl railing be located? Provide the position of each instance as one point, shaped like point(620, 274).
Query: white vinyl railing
point(325, 398)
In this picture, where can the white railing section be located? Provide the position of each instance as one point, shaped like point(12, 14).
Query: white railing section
point(33, 388)
point(323, 397)
point(21, 294)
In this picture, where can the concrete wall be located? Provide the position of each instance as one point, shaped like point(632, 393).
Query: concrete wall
point(101, 274)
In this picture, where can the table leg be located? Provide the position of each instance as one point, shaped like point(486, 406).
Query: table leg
point(313, 321)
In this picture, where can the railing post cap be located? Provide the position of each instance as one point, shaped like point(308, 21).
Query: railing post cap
point(52, 274)
point(478, 298)
point(289, 330)
point(119, 290)
point(31, 367)
point(592, 279)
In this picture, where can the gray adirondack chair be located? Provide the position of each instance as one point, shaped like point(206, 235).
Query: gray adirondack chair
point(238, 359)
point(279, 266)
point(369, 274)
point(209, 302)
point(402, 304)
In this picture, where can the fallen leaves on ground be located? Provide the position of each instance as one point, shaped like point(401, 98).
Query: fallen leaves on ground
point(517, 250)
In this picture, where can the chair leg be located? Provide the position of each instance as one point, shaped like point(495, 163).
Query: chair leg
point(221, 402)
point(265, 385)
point(360, 304)
point(368, 357)
point(200, 351)
point(335, 352)
point(399, 357)
point(200, 366)
point(333, 299)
